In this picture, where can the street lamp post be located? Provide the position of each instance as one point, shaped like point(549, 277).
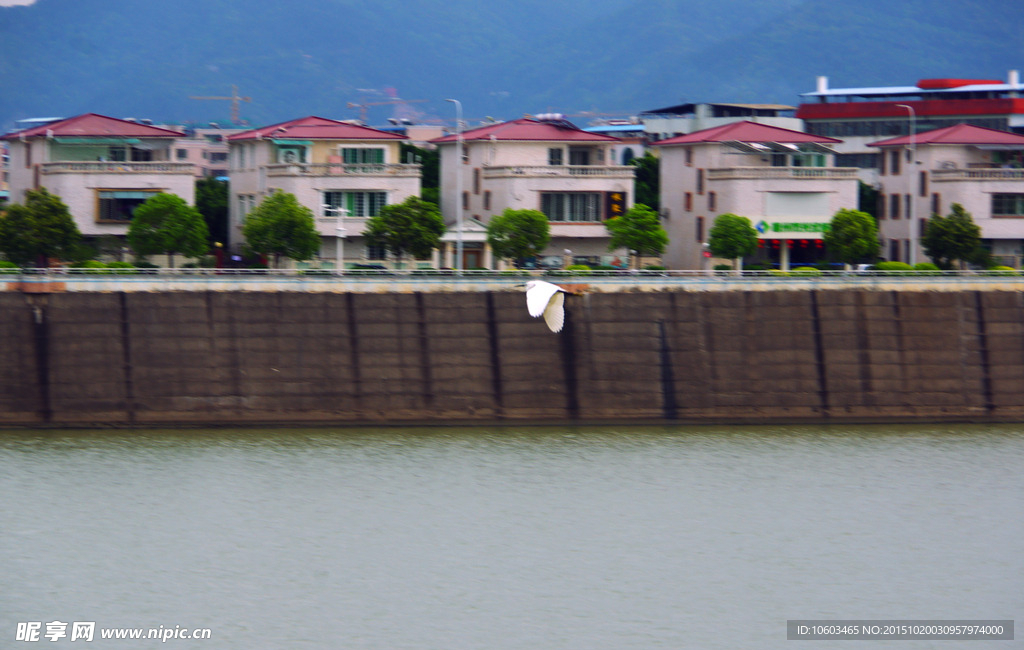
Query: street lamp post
point(458, 183)
point(912, 257)
point(339, 242)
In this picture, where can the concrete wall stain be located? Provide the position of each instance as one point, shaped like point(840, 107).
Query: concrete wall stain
point(231, 358)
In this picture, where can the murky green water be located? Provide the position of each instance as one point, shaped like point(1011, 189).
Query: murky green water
point(495, 539)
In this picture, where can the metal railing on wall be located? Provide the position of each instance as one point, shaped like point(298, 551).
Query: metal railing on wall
point(406, 280)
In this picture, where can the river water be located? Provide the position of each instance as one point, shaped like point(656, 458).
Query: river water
point(509, 538)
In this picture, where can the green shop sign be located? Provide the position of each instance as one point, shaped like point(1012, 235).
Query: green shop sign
point(764, 227)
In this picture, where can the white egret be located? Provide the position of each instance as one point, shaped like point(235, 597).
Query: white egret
point(547, 299)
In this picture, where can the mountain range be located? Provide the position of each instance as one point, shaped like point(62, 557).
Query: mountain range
point(149, 58)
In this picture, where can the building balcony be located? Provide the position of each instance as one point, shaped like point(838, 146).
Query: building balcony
point(977, 174)
point(117, 167)
point(787, 173)
point(560, 171)
point(342, 169)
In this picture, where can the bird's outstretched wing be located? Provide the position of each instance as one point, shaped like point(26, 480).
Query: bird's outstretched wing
point(538, 295)
point(554, 314)
point(544, 298)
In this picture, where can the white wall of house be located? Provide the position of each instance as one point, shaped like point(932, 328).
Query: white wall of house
point(946, 174)
point(703, 180)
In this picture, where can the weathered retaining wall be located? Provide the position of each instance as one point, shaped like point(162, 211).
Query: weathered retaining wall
point(211, 357)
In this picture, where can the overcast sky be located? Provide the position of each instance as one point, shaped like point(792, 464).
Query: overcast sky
point(8, 3)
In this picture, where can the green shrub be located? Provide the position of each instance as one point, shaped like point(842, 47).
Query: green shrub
point(654, 267)
point(8, 267)
point(776, 273)
point(1002, 270)
point(805, 272)
point(722, 267)
point(891, 268)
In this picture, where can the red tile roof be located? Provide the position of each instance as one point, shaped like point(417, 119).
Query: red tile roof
point(315, 128)
point(957, 134)
point(528, 129)
point(93, 125)
point(746, 131)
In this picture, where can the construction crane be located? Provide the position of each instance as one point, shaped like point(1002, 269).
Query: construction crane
point(234, 99)
point(364, 106)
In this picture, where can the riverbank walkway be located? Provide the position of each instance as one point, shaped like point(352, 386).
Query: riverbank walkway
point(412, 281)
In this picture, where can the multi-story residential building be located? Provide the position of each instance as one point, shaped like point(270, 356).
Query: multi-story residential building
point(782, 180)
point(343, 172)
point(101, 167)
point(860, 116)
point(540, 163)
point(925, 173)
point(672, 121)
point(206, 149)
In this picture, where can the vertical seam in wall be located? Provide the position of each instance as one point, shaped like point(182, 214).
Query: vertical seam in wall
point(669, 407)
point(819, 354)
point(353, 350)
point(41, 342)
point(428, 377)
point(986, 374)
point(901, 345)
point(497, 386)
point(126, 347)
point(863, 350)
point(567, 341)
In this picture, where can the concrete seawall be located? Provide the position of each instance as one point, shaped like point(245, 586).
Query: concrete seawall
point(207, 358)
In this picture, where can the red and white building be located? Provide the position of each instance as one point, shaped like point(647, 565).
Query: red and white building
point(539, 163)
point(924, 174)
point(784, 181)
point(861, 116)
point(341, 171)
point(101, 167)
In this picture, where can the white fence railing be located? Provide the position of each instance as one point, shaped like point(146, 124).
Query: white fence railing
point(402, 280)
point(342, 169)
point(758, 173)
point(111, 167)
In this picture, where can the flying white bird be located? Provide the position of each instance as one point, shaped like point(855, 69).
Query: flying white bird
point(547, 299)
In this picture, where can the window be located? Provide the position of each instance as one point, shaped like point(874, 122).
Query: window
point(922, 183)
point(218, 156)
point(465, 200)
point(712, 202)
point(689, 201)
point(376, 252)
point(554, 156)
point(571, 206)
point(700, 229)
point(1008, 205)
point(579, 156)
point(894, 206)
point(182, 154)
point(476, 180)
point(689, 157)
point(487, 200)
point(700, 181)
point(118, 206)
point(355, 204)
point(894, 163)
point(362, 155)
point(936, 203)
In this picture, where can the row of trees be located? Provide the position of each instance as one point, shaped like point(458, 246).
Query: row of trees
point(42, 229)
point(853, 237)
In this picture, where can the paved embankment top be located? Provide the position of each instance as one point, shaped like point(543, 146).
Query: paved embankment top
point(90, 280)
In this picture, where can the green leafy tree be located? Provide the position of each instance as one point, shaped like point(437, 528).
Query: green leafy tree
point(647, 182)
point(638, 230)
point(412, 227)
point(212, 203)
point(281, 227)
point(166, 223)
point(518, 234)
point(852, 236)
point(41, 229)
point(429, 161)
point(950, 238)
point(732, 237)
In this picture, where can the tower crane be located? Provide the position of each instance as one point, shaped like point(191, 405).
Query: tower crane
point(364, 106)
point(234, 99)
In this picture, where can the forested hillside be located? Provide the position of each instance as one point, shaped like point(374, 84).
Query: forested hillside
point(146, 58)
